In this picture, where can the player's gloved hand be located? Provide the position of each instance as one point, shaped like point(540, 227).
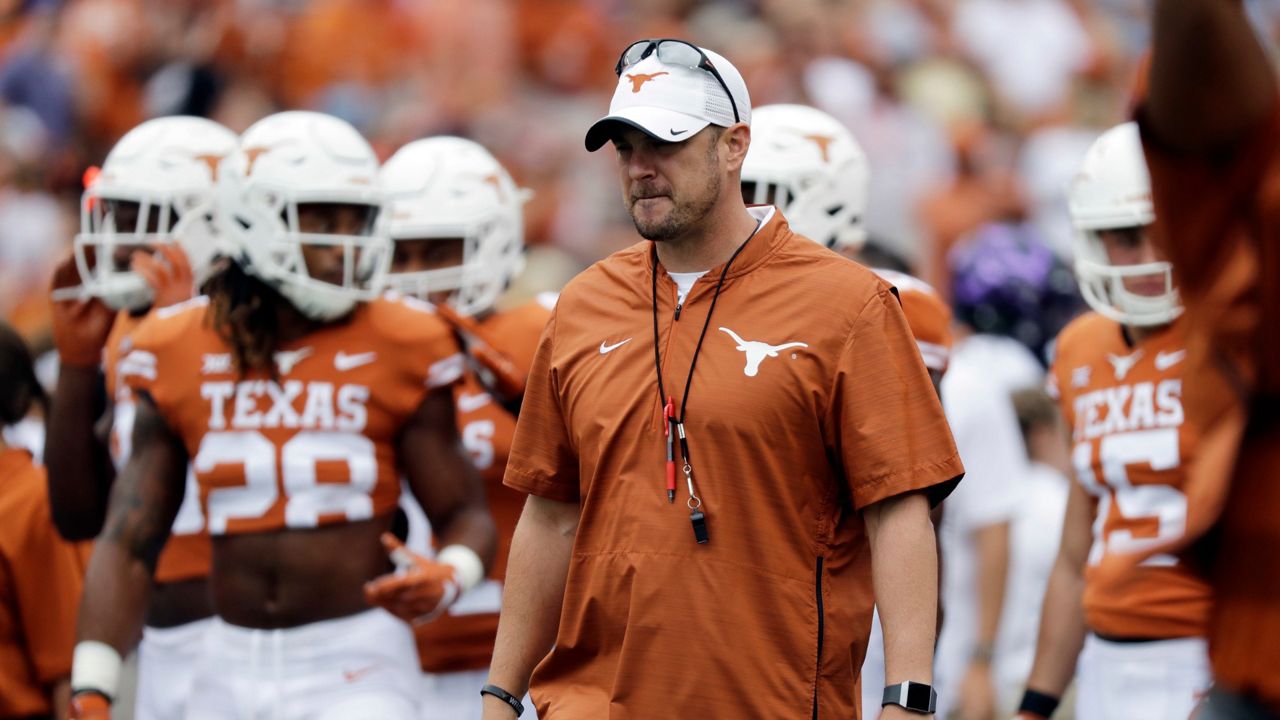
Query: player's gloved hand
point(81, 324)
point(90, 705)
point(420, 590)
point(168, 272)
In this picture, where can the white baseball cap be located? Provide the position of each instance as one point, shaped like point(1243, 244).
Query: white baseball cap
point(673, 102)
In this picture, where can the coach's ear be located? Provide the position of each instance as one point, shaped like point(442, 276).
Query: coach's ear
point(734, 141)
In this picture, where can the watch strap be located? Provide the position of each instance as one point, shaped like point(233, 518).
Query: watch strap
point(504, 696)
point(913, 696)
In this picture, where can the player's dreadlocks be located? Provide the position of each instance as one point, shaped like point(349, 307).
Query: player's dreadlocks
point(19, 387)
point(243, 314)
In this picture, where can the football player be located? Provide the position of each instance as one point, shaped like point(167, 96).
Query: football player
point(154, 193)
point(1138, 632)
point(299, 396)
point(458, 227)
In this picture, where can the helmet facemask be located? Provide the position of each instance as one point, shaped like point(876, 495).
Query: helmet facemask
point(448, 189)
point(487, 263)
point(1103, 285)
point(809, 166)
point(286, 238)
point(114, 226)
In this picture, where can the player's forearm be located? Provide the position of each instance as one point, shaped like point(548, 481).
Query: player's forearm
point(1211, 81)
point(60, 696)
point(534, 591)
point(116, 589)
point(1062, 630)
point(992, 543)
point(79, 468)
point(904, 562)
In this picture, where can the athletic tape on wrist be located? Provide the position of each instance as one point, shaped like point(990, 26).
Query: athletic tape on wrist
point(96, 666)
point(470, 569)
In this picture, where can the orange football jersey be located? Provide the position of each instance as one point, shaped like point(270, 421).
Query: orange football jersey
point(187, 553)
point(463, 639)
point(927, 314)
point(318, 445)
point(1133, 443)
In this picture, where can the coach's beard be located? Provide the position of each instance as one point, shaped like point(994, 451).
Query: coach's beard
point(680, 218)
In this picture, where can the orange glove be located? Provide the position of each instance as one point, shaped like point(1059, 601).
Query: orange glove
point(419, 591)
point(90, 706)
point(81, 324)
point(169, 275)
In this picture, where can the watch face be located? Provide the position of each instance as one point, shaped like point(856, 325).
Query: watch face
point(918, 696)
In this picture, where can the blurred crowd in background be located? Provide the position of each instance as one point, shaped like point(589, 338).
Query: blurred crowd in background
point(971, 111)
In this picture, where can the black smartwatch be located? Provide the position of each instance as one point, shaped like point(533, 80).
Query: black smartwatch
point(511, 700)
point(913, 696)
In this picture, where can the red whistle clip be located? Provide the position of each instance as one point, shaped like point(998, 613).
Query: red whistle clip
point(669, 415)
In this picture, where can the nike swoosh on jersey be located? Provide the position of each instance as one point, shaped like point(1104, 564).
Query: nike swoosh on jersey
point(1166, 360)
point(468, 402)
point(606, 349)
point(354, 675)
point(287, 359)
point(343, 362)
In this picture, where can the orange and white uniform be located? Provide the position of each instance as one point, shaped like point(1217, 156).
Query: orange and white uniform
point(1133, 443)
point(167, 657)
point(41, 578)
point(317, 446)
point(314, 447)
point(928, 316)
point(809, 403)
point(186, 553)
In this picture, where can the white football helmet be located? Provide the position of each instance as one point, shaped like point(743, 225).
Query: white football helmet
point(165, 169)
point(1112, 190)
point(449, 187)
point(811, 167)
point(297, 158)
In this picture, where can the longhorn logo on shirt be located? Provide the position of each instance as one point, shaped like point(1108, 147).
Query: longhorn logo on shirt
point(757, 351)
point(1124, 363)
point(639, 79)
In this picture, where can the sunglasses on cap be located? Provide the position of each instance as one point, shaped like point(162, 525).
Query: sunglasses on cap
point(674, 52)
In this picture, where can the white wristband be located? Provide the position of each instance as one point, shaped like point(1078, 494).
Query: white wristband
point(95, 666)
point(470, 570)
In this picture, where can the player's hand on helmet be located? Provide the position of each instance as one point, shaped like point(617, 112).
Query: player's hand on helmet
point(168, 272)
point(81, 323)
point(419, 591)
point(90, 706)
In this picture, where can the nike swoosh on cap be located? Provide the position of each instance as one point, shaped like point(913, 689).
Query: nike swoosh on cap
point(678, 133)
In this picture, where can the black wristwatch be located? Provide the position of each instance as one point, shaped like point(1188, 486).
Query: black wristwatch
point(511, 700)
point(913, 696)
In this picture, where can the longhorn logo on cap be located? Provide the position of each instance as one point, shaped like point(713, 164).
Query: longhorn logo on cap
point(639, 79)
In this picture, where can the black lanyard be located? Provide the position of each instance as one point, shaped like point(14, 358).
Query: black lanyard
point(675, 424)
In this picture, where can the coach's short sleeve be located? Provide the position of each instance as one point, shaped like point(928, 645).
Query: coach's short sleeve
point(543, 461)
point(884, 423)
